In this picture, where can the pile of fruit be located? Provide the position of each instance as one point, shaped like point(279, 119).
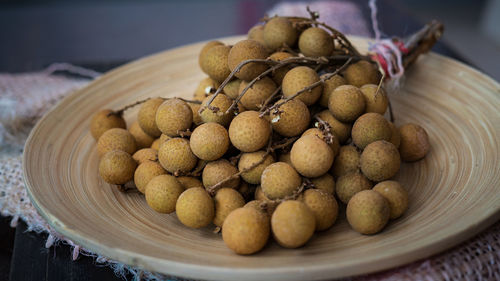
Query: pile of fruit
point(287, 122)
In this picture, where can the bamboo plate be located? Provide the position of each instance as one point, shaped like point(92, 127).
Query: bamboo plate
point(454, 191)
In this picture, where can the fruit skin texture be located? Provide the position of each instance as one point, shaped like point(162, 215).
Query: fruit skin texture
point(189, 182)
point(293, 119)
point(279, 32)
point(214, 62)
point(414, 142)
point(257, 94)
point(117, 167)
point(335, 145)
point(362, 73)
point(293, 224)
point(375, 101)
point(145, 154)
point(279, 180)
point(325, 183)
point(350, 184)
point(216, 171)
point(246, 231)
point(323, 205)
point(248, 159)
point(248, 132)
point(346, 103)
point(341, 130)
point(174, 116)
point(396, 196)
point(162, 193)
point(195, 208)
point(347, 161)
point(257, 33)
point(204, 50)
point(315, 42)
point(259, 195)
point(370, 127)
point(142, 139)
point(116, 139)
point(380, 161)
point(368, 212)
point(245, 50)
point(209, 141)
point(329, 86)
point(280, 73)
point(311, 156)
point(232, 89)
point(147, 116)
point(226, 201)
point(156, 144)
point(201, 91)
point(298, 78)
point(222, 102)
point(395, 137)
point(175, 155)
point(101, 122)
point(145, 172)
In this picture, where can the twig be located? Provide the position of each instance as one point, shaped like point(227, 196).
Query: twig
point(270, 98)
point(325, 128)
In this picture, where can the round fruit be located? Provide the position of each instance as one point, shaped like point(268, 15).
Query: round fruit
point(376, 101)
point(293, 224)
point(232, 89)
point(209, 141)
point(256, 95)
point(156, 144)
point(311, 156)
point(217, 171)
point(362, 73)
point(116, 139)
point(174, 116)
point(315, 42)
point(380, 161)
point(346, 103)
point(117, 167)
point(246, 231)
point(329, 86)
point(263, 206)
point(285, 157)
point(189, 182)
point(222, 103)
point(323, 205)
point(105, 120)
point(325, 183)
point(142, 139)
point(368, 212)
point(245, 50)
point(248, 132)
point(145, 154)
point(279, 180)
point(147, 116)
point(226, 201)
point(196, 115)
point(395, 194)
point(279, 32)
point(350, 184)
point(370, 127)
point(214, 62)
point(414, 142)
point(195, 208)
point(292, 120)
point(341, 130)
point(334, 145)
point(162, 193)
point(395, 136)
point(206, 87)
point(297, 79)
point(145, 172)
point(259, 194)
point(247, 160)
point(175, 156)
point(204, 50)
point(347, 161)
point(280, 73)
point(257, 33)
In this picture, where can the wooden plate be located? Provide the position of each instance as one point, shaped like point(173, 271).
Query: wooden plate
point(454, 191)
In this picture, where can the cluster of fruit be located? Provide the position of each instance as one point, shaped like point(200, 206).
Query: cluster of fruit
point(286, 122)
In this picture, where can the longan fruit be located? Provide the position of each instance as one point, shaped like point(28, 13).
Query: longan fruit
point(214, 62)
point(145, 154)
point(162, 193)
point(116, 139)
point(164, 138)
point(323, 205)
point(260, 195)
point(257, 33)
point(209, 141)
point(279, 32)
point(175, 156)
point(350, 184)
point(341, 130)
point(414, 142)
point(245, 50)
point(248, 159)
point(195, 208)
point(142, 139)
point(325, 183)
point(335, 145)
point(368, 212)
point(375, 101)
point(347, 161)
point(346, 103)
point(196, 115)
point(222, 102)
point(248, 132)
point(292, 120)
point(279, 180)
point(147, 116)
point(232, 89)
point(297, 79)
point(105, 120)
point(395, 136)
point(396, 196)
point(370, 127)
point(264, 206)
point(380, 161)
point(329, 86)
point(156, 144)
point(280, 73)
point(246, 231)
point(204, 50)
point(217, 171)
point(117, 167)
point(189, 182)
point(145, 172)
point(206, 87)
point(174, 116)
point(293, 224)
point(226, 200)
point(315, 42)
point(311, 156)
point(245, 190)
point(362, 73)
point(285, 157)
point(256, 95)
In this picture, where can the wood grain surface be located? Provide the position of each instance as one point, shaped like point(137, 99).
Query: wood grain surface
point(454, 191)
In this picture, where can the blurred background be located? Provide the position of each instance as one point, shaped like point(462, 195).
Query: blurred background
point(35, 33)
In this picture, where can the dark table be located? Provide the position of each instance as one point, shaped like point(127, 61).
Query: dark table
point(23, 255)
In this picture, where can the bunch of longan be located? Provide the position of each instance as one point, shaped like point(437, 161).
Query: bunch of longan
point(287, 122)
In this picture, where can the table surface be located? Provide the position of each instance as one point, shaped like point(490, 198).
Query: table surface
point(23, 255)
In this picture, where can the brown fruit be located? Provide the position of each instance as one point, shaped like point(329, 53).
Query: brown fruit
point(395, 136)
point(311, 156)
point(325, 183)
point(248, 132)
point(347, 161)
point(265, 207)
point(209, 141)
point(206, 87)
point(245, 50)
point(297, 79)
point(246, 231)
point(195, 208)
point(329, 86)
point(204, 50)
point(257, 33)
point(196, 115)
point(341, 130)
point(279, 32)
point(256, 95)
point(189, 182)
point(156, 144)
point(175, 156)
point(162, 193)
point(145, 154)
point(323, 205)
point(214, 62)
point(292, 120)
point(105, 120)
point(232, 89)
point(368, 212)
point(350, 184)
point(375, 101)
point(260, 195)
point(248, 159)
point(414, 142)
point(293, 224)
point(279, 180)
point(145, 172)
point(142, 139)
point(280, 73)
point(346, 103)
point(222, 102)
point(226, 200)
point(370, 127)
point(396, 196)
point(117, 167)
point(174, 116)
point(315, 42)
point(116, 139)
point(147, 116)
point(217, 171)
point(334, 145)
point(285, 157)
point(380, 161)
point(362, 73)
